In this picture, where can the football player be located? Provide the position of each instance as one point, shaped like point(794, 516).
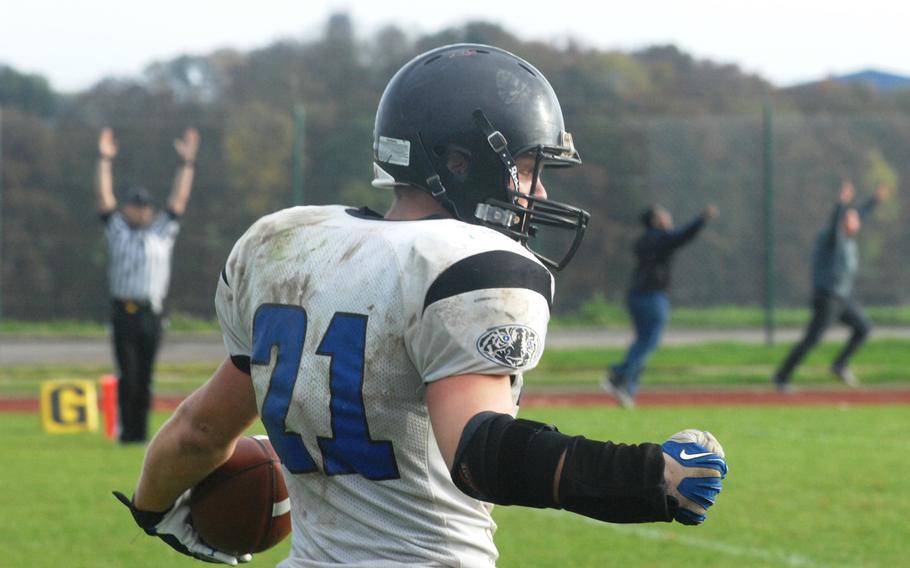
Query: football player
point(384, 354)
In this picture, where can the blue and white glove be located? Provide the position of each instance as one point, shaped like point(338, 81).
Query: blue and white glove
point(694, 467)
point(175, 528)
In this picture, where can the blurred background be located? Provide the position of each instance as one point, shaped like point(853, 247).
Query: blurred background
point(763, 117)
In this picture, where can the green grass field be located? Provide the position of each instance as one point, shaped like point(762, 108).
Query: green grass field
point(712, 364)
point(596, 312)
point(808, 487)
point(723, 364)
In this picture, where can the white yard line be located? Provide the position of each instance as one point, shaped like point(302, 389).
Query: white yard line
point(775, 557)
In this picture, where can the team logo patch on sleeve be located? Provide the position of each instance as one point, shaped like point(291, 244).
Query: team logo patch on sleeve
point(509, 345)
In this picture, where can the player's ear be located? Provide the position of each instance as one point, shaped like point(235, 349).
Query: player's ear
point(458, 162)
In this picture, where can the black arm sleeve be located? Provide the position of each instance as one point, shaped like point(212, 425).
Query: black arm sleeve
point(507, 461)
point(513, 462)
point(617, 483)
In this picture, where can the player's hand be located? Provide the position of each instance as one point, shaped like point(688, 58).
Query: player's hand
point(175, 528)
point(107, 144)
point(846, 192)
point(694, 467)
point(881, 192)
point(710, 211)
point(188, 145)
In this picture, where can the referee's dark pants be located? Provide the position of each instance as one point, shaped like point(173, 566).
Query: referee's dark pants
point(137, 332)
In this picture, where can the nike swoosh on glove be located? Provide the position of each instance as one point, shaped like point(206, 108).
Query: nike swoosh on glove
point(694, 468)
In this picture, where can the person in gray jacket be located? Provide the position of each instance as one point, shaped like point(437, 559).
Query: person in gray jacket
point(835, 260)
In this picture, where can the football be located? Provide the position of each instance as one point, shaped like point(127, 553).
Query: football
point(243, 507)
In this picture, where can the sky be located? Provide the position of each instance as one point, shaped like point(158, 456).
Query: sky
point(75, 44)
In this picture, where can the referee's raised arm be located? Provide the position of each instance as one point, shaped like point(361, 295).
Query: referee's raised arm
point(104, 179)
point(186, 147)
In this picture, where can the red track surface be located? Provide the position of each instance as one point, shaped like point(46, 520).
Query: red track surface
point(832, 397)
point(719, 397)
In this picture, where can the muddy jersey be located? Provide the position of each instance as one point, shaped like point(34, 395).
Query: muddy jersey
point(345, 318)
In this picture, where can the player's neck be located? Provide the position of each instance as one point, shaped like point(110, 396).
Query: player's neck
point(414, 205)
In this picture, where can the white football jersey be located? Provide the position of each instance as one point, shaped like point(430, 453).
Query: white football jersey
point(345, 318)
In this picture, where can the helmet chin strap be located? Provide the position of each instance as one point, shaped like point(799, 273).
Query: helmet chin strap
point(499, 144)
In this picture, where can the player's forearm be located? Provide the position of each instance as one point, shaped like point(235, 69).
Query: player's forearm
point(199, 437)
point(511, 461)
point(181, 454)
point(183, 184)
point(104, 186)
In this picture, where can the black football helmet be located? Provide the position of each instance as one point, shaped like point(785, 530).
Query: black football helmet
point(485, 107)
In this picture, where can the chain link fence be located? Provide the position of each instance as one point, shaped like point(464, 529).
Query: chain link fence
point(53, 262)
point(775, 183)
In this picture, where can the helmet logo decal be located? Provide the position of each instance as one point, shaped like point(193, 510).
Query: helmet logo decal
point(513, 346)
point(394, 151)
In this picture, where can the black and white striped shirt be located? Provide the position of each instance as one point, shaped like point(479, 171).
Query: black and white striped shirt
point(140, 258)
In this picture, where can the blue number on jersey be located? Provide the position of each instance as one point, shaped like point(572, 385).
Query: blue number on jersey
point(283, 327)
point(350, 449)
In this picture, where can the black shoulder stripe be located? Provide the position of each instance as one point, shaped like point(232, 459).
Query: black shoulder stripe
point(492, 269)
point(224, 276)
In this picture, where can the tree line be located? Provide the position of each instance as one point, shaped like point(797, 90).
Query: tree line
point(654, 125)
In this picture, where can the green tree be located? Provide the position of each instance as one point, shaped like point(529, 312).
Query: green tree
point(27, 92)
point(257, 154)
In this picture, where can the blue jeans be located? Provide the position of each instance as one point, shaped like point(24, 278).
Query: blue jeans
point(650, 312)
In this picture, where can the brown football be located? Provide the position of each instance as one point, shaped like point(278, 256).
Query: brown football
point(243, 507)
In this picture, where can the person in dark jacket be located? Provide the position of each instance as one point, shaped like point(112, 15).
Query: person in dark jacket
point(834, 265)
point(647, 300)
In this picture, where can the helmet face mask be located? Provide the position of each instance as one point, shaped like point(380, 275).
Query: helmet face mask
point(452, 122)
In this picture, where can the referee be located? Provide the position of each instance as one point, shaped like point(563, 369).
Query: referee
point(140, 243)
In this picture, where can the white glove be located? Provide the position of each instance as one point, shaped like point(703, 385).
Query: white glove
point(693, 469)
point(175, 528)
